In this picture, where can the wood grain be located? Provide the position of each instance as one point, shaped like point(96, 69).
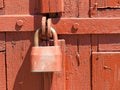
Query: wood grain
point(2, 71)
point(105, 70)
point(56, 80)
point(19, 77)
point(22, 7)
point(2, 62)
point(77, 69)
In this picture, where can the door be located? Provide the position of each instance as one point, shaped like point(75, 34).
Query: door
point(90, 52)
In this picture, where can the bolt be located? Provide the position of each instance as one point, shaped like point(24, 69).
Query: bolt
point(106, 67)
point(19, 23)
point(76, 26)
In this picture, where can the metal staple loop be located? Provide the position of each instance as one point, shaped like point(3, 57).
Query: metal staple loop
point(39, 31)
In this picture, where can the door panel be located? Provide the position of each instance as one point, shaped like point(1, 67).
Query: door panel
point(107, 3)
point(2, 62)
point(105, 8)
point(2, 72)
point(22, 7)
point(106, 70)
point(109, 42)
point(77, 62)
point(19, 76)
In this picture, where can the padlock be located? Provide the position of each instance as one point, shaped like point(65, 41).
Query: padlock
point(46, 58)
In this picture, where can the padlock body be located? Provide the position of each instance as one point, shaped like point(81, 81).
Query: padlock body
point(46, 59)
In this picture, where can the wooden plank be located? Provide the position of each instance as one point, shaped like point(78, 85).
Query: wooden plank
point(85, 25)
point(77, 62)
point(52, 81)
point(105, 8)
point(20, 22)
point(105, 13)
point(52, 6)
point(106, 4)
point(83, 8)
point(44, 6)
point(109, 42)
point(19, 76)
point(1, 7)
point(76, 8)
point(2, 42)
point(56, 6)
point(94, 43)
point(2, 62)
point(70, 8)
point(1, 4)
point(2, 71)
point(22, 7)
point(105, 70)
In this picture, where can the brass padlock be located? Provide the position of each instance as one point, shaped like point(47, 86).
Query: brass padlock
point(46, 58)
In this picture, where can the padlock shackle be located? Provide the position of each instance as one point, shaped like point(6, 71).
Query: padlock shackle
point(55, 36)
point(37, 33)
point(36, 37)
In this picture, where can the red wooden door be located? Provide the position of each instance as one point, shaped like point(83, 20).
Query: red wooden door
point(105, 56)
point(106, 71)
point(90, 29)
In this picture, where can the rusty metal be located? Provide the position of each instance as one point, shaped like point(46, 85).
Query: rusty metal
point(76, 26)
point(46, 58)
point(86, 25)
point(36, 37)
point(20, 22)
point(44, 26)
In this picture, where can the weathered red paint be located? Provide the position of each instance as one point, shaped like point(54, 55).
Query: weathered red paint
point(106, 4)
point(2, 71)
point(13, 22)
point(1, 4)
point(2, 62)
point(105, 70)
point(52, 6)
point(86, 25)
point(82, 69)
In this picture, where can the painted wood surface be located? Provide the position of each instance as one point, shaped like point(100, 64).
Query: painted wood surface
point(2, 62)
point(104, 8)
point(77, 73)
point(105, 68)
point(77, 62)
point(2, 71)
point(19, 76)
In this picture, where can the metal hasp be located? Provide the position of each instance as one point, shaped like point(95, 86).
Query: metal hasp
point(52, 6)
point(46, 58)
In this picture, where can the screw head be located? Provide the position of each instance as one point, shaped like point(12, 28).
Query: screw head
point(19, 22)
point(76, 26)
